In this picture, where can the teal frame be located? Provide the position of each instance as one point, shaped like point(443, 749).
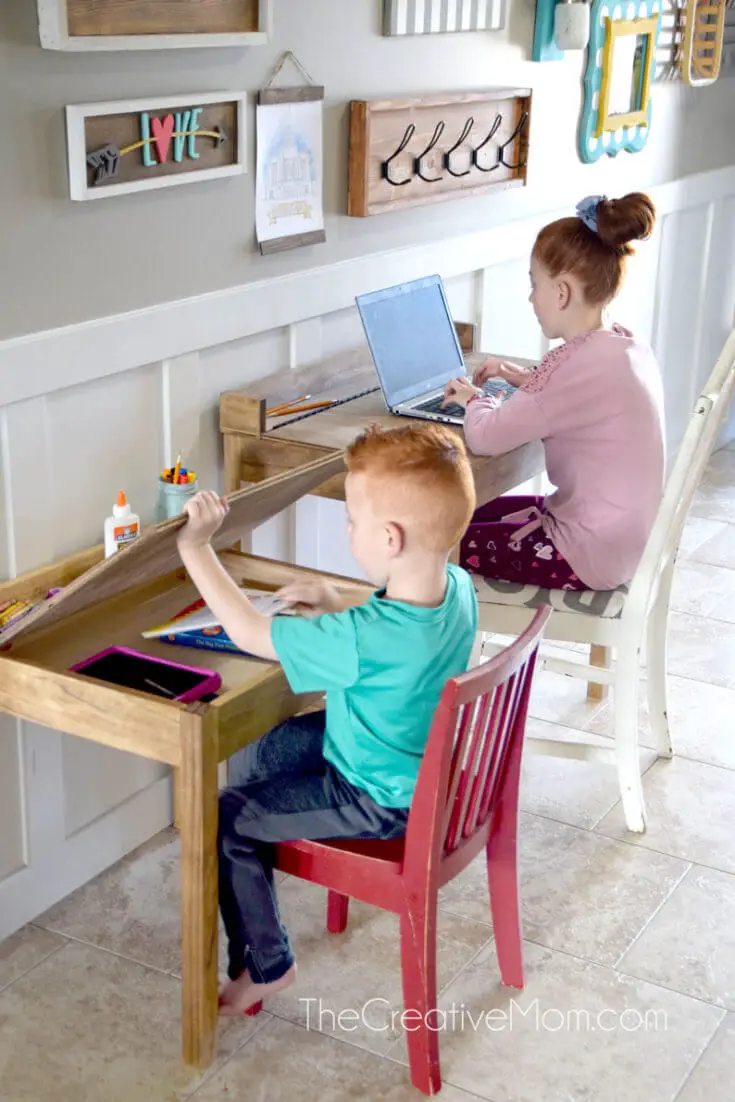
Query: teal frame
point(544, 46)
point(629, 139)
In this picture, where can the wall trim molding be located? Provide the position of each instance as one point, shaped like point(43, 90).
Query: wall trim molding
point(41, 363)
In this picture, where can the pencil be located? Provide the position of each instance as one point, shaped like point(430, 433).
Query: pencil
point(287, 405)
point(301, 409)
point(177, 470)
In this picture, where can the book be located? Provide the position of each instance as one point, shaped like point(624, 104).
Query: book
point(197, 626)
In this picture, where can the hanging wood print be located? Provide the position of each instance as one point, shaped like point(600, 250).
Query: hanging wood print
point(137, 145)
point(442, 16)
point(289, 210)
point(152, 24)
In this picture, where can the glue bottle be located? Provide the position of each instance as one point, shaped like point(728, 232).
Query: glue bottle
point(122, 527)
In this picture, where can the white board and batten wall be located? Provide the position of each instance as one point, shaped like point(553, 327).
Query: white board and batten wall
point(87, 407)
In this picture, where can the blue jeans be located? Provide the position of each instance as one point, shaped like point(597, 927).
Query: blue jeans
point(282, 789)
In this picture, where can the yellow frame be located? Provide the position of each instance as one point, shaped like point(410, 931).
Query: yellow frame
point(622, 28)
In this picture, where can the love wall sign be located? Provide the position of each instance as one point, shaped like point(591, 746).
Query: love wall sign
point(137, 145)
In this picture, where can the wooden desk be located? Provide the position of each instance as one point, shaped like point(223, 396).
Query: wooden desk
point(257, 446)
point(35, 685)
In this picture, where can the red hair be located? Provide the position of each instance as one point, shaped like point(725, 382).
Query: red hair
point(597, 257)
point(421, 475)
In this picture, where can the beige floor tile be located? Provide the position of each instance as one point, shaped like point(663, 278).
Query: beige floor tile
point(725, 611)
point(696, 532)
point(86, 1026)
point(24, 950)
point(690, 944)
point(580, 893)
point(700, 718)
point(715, 499)
point(703, 650)
point(691, 812)
point(576, 792)
point(720, 549)
point(284, 1062)
point(346, 971)
point(711, 1080)
point(578, 1031)
point(699, 587)
point(558, 699)
point(132, 909)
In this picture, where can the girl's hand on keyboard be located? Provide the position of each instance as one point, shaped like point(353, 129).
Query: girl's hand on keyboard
point(459, 391)
point(493, 368)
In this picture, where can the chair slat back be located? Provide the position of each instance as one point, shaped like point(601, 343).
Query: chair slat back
point(478, 727)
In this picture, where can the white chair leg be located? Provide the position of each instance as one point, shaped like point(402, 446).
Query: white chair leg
point(656, 661)
point(625, 703)
point(476, 652)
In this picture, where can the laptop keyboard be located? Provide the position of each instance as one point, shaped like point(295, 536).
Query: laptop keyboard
point(493, 388)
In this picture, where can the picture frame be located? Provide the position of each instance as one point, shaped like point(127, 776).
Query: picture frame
point(702, 41)
point(167, 158)
point(410, 17)
point(621, 58)
point(61, 27)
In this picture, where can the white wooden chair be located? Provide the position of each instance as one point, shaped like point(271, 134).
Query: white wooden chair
point(627, 619)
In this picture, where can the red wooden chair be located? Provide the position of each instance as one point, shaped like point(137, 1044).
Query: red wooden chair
point(466, 800)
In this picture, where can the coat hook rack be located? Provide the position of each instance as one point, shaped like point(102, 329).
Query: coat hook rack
point(431, 132)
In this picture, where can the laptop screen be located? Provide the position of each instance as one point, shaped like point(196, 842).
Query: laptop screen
point(412, 338)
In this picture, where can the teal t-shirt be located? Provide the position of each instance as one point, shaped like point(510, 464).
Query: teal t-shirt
point(383, 666)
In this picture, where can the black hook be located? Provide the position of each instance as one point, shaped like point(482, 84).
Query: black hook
point(385, 166)
point(516, 134)
point(460, 141)
point(493, 131)
point(438, 131)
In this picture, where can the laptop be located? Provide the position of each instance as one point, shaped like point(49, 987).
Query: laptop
point(415, 349)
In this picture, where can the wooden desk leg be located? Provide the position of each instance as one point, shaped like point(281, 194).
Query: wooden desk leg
point(599, 656)
point(198, 825)
point(176, 782)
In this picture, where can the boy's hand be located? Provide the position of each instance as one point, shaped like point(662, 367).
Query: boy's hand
point(205, 512)
point(317, 596)
point(459, 391)
point(493, 368)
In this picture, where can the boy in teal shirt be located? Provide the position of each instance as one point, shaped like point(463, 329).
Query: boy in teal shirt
point(349, 772)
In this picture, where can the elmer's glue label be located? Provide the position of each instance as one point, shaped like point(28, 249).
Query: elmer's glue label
point(122, 527)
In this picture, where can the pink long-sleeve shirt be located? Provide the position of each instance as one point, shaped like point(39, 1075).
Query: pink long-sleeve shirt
point(596, 402)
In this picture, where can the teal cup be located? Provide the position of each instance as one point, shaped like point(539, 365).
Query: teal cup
point(172, 499)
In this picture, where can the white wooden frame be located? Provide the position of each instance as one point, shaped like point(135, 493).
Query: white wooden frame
point(76, 149)
point(54, 34)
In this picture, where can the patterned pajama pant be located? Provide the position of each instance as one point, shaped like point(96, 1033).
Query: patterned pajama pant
point(491, 546)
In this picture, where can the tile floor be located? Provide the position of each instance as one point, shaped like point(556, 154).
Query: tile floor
point(630, 941)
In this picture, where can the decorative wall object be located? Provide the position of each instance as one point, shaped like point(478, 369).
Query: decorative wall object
point(290, 171)
point(409, 152)
point(442, 16)
point(152, 24)
point(668, 44)
point(703, 34)
point(559, 25)
point(137, 145)
point(617, 85)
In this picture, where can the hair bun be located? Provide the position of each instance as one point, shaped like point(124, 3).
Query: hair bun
point(620, 221)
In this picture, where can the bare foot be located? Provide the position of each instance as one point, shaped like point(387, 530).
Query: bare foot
point(237, 996)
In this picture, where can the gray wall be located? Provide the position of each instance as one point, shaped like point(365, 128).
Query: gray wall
point(64, 262)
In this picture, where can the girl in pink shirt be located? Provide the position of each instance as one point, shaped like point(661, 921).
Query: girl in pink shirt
point(596, 403)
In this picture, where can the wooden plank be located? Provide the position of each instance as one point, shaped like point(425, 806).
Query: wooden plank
point(241, 412)
point(152, 17)
point(198, 826)
point(155, 553)
point(293, 241)
point(302, 93)
point(38, 582)
point(257, 571)
point(466, 335)
point(243, 717)
point(125, 720)
point(602, 658)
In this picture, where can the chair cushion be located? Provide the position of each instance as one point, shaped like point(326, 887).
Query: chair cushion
point(605, 603)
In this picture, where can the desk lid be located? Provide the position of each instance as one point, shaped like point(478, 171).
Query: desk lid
point(155, 554)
